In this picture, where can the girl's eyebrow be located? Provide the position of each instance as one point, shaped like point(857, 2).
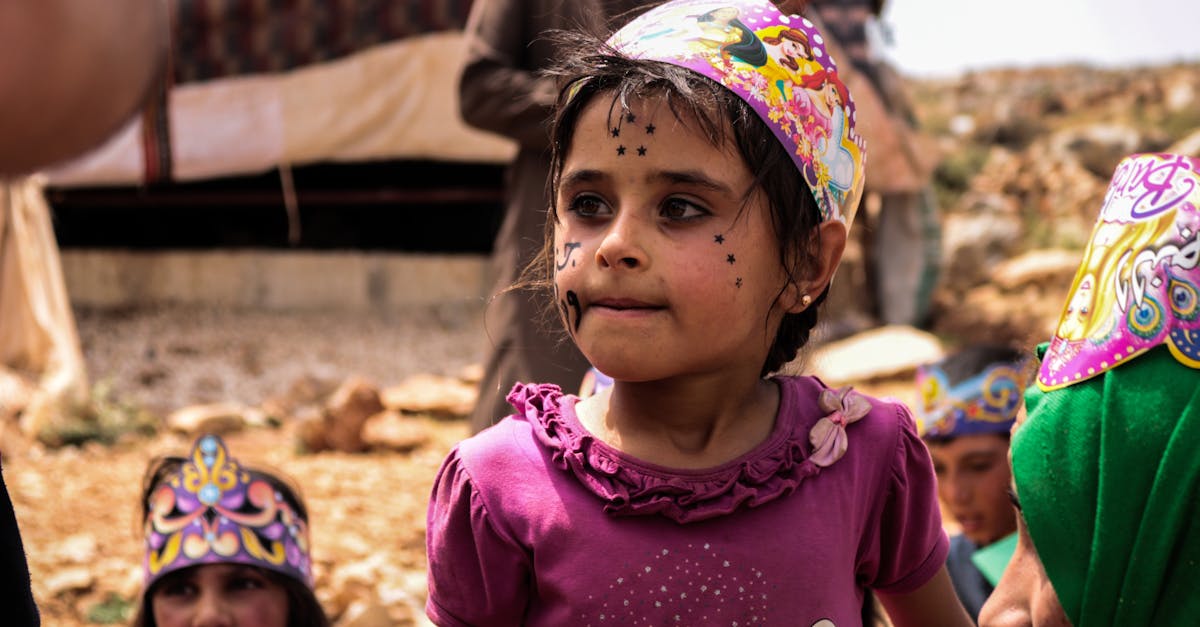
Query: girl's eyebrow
point(691, 177)
point(575, 177)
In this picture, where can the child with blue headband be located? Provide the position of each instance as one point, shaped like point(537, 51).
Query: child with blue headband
point(702, 191)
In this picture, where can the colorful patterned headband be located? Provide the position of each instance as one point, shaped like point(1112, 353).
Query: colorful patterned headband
point(985, 403)
point(777, 64)
point(1139, 283)
point(214, 511)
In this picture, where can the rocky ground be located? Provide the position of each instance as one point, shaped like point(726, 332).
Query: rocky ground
point(1026, 157)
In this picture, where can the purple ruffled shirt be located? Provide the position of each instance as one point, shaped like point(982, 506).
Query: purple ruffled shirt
point(536, 522)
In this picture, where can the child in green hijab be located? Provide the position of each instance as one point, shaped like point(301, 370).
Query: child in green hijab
point(1106, 470)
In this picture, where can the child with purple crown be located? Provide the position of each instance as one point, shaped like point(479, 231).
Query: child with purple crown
point(701, 195)
point(226, 544)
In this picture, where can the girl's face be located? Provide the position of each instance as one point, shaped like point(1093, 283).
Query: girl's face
point(973, 479)
point(231, 595)
point(663, 269)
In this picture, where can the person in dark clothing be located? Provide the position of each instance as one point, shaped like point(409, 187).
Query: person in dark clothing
point(16, 596)
point(502, 92)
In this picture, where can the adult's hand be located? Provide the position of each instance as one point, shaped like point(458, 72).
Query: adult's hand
point(71, 72)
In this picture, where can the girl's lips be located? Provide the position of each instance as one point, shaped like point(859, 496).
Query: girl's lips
point(622, 304)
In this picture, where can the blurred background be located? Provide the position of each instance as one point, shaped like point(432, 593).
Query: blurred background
point(289, 245)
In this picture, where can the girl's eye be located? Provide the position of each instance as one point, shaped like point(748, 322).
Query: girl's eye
point(246, 583)
point(177, 588)
point(587, 206)
point(680, 209)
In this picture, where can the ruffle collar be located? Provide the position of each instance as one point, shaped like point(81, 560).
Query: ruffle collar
point(631, 487)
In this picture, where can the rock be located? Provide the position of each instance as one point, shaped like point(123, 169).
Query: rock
point(1052, 269)
point(431, 394)
point(310, 430)
point(77, 549)
point(973, 245)
point(309, 389)
point(72, 579)
point(471, 373)
point(880, 353)
point(365, 614)
point(219, 418)
point(346, 411)
point(389, 430)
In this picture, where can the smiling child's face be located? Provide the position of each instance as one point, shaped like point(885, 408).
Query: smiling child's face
point(663, 267)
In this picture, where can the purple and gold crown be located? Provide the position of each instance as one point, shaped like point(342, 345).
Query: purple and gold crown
point(212, 510)
point(985, 403)
point(1139, 284)
point(779, 65)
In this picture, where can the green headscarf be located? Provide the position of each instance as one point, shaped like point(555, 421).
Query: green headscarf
point(1108, 475)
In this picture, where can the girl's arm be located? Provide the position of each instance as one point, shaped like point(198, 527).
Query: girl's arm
point(932, 605)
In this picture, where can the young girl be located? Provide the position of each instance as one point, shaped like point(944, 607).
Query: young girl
point(225, 544)
point(687, 251)
point(1104, 464)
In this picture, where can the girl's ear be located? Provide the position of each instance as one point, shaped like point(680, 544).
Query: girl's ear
point(799, 295)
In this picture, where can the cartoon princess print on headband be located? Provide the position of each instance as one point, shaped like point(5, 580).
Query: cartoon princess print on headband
point(793, 83)
point(1138, 285)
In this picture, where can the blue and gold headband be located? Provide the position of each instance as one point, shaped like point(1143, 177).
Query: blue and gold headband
point(985, 403)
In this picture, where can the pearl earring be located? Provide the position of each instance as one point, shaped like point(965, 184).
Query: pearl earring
point(805, 300)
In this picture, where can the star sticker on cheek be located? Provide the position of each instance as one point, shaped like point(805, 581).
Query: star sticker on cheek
point(641, 151)
point(620, 151)
point(649, 129)
point(616, 132)
point(730, 258)
point(718, 238)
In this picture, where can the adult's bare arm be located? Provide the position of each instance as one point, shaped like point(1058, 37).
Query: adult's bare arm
point(71, 72)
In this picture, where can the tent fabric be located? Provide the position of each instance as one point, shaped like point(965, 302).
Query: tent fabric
point(223, 38)
point(394, 101)
point(38, 340)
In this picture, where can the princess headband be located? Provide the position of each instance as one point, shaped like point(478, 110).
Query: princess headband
point(214, 511)
point(985, 403)
point(1137, 287)
point(778, 65)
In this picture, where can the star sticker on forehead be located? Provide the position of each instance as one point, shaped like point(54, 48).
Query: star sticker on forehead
point(616, 132)
point(718, 238)
point(620, 151)
point(730, 258)
point(641, 151)
point(630, 117)
point(650, 129)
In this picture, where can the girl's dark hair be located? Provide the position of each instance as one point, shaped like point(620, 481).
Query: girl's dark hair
point(589, 69)
point(303, 608)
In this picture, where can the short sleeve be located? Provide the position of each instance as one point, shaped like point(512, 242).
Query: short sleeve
point(477, 575)
point(905, 543)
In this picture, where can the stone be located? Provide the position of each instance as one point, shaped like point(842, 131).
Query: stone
point(346, 411)
point(365, 614)
point(431, 394)
point(80, 548)
point(1050, 267)
point(219, 418)
point(71, 579)
point(876, 354)
point(15, 394)
point(389, 430)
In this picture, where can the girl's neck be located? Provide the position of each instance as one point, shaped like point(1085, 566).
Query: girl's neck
point(687, 424)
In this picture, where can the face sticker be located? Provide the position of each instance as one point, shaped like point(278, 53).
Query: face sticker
point(738, 283)
point(620, 151)
point(630, 117)
point(641, 151)
point(650, 129)
point(568, 250)
point(616, 131)
point(573, 301)
point(718, 238)
point(730, 258)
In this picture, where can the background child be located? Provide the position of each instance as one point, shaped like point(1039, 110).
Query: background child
point(225, 544)
point(1105, 465)
point(695, 231)
point(967, 405)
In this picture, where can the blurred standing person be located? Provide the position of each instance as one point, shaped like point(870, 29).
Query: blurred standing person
point(501, 91)
point(902, 231)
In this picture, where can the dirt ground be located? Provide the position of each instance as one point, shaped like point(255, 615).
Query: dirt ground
point(77, 507)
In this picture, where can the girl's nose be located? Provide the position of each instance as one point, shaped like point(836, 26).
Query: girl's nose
point(621, 246)
point(211, 611)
